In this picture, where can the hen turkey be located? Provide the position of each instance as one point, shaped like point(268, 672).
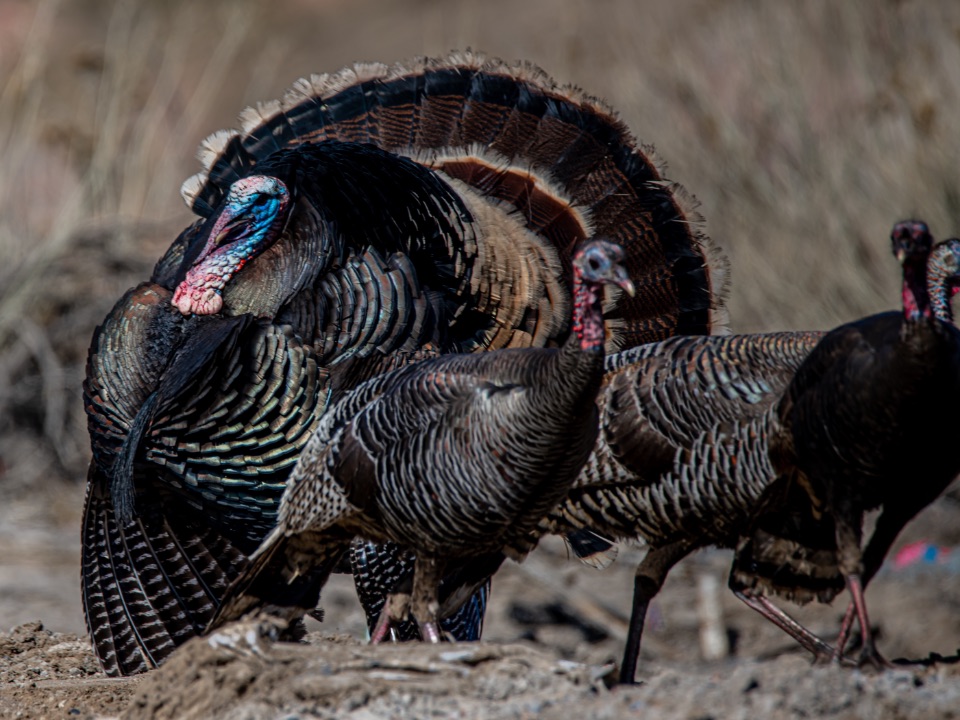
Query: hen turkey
point(856, 419)
point(455, 458)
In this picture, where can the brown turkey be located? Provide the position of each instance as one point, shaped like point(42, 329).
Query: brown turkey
point(681, 461)
point(661, 472)
point(372, 217)
point(854, 434)
point(455, 458)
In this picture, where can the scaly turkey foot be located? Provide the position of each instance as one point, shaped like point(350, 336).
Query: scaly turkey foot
point(869, 654)
point(845, 627)
point(870, 657)
point(833, 658)
point(429, 632)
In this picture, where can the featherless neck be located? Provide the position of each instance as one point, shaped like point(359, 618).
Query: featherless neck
point(253, 217)
point(588, 314)
point(916, 301)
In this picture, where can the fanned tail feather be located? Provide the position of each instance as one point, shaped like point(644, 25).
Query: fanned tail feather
point(562, 158)
point(791, 552)
point(466, 624)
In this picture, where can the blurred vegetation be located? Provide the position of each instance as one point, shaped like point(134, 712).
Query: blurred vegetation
point(805, 130)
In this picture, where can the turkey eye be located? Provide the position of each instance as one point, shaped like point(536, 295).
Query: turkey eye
point(593, 263)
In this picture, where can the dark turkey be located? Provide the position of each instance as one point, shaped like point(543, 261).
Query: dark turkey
point(195, 398)
point(855, 432)
point(682, 461)
point(791, 550)
point(455, 458)
point(374, 217)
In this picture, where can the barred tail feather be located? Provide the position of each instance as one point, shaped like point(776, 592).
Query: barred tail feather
point(272, 581)
point(791, 552)
point(592, 549)
point(466, 624)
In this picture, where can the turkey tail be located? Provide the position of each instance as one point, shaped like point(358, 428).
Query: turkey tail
point(272, 581)
point(148, 585)
point(562, 159)
point(592, 549)
point(792, 550)
point(466, 624)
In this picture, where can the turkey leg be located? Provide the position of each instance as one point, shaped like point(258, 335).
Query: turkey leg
point(651, 573)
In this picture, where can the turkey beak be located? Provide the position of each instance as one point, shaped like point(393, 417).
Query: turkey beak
point(622, 280)
point(234, 229)
point(900, 254)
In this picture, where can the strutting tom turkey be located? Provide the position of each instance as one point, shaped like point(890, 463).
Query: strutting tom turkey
point(372, 217)
point(456, 458)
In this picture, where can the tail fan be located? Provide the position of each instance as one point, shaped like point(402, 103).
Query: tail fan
point(564, 160)
point(792, 551)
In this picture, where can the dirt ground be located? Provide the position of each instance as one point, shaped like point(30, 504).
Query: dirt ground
point(553, 638)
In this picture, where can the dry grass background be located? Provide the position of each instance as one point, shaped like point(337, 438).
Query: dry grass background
point(805, 129)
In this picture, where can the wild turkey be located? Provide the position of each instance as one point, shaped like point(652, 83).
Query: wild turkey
point(433, 207)
point(455, 458)
point(682, 457)
point(791, 549)
point(180, 390)
point(665, 409)
point(854, 426)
